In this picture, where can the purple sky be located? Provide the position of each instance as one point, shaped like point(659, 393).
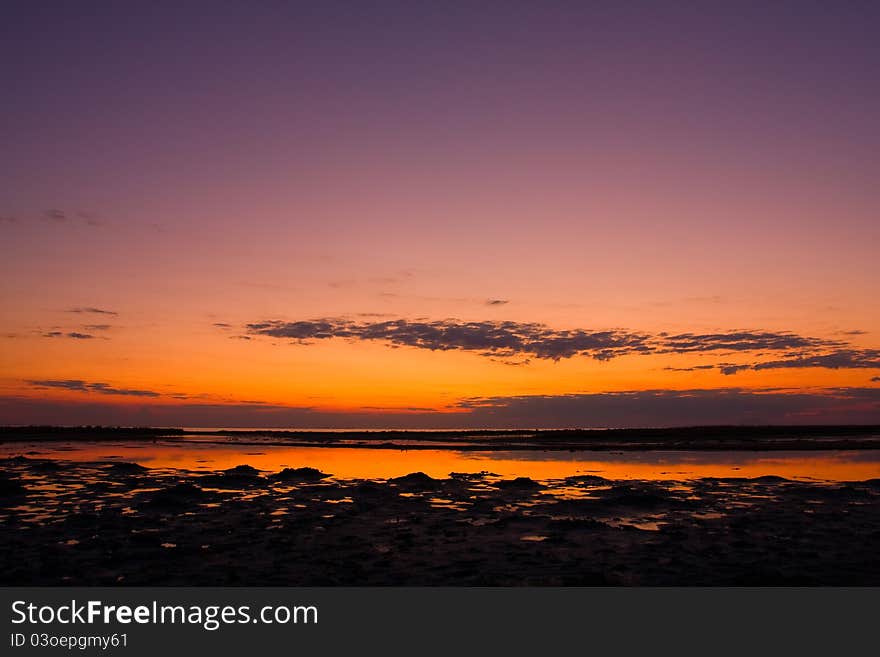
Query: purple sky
point(652, 167)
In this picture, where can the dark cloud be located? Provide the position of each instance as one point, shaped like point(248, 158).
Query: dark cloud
point(497, 302)
point(399, 409)
point(840, 359)
point(23, 410)
point(64, 216)
point(90, 218)
point(80, 336)
point(67, 384)
point(732, 368)
point(649, 408)
point(95, 311)
point(508, 339)
point(875, 379)
point(84, 386)
point(488, 338)
point(739, 341)
point(222, 325)
point(392, 279)
point(304, 330)
point(693, 368)
point(511, 362)
point(58, 216)
point(342, 283)
point(663, 408)
point(835, 360)
point(97, 327)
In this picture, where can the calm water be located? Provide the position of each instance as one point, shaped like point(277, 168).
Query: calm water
point(370, 463)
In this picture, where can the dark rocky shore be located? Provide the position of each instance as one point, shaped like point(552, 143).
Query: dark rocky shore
point(65, 523)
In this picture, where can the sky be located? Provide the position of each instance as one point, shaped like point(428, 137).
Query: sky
point(439, 215)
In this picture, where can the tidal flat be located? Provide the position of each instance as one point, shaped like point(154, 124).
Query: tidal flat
point(117, 522)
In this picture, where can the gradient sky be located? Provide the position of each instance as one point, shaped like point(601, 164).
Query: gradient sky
point(439, 214)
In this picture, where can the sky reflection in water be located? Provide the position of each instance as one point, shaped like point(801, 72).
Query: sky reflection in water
point(373, 463)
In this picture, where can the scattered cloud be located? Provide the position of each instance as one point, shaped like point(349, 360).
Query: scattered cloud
point(738, 341)
point(222, 325)
point(90, 218)
point(75, 335)
point(79, 385)
point(506, 339)
point(497, 302)
point(97, 327)
point(834, 360)
point(488, 338)
point(394, 278)
point(342, 283)
point(840, 359)
point(88, 309)
point(731, 368)
point(58, 216)
point(65, 216)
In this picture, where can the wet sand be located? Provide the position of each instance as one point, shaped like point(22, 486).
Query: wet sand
point(119, 523)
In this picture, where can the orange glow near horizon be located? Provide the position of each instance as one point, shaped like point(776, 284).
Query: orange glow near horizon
point(337, 375)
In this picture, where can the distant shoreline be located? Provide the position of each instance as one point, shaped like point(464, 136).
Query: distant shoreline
point(769, 438)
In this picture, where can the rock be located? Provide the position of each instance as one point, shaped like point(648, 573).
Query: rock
point(10, 487)
point(520, 483)
point(122, 467)
point(576, 524)
point(178, 495)
point(299, 474)
point(369, 494)
point(371, 488)
point(46, 465)
point(230, 481)
point(586, 479)
point(19, 459)
point(471, 476)
point(245, 470)
point(634, 497)
point(415, 479)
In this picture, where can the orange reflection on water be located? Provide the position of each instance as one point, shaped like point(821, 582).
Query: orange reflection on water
point(366, 463)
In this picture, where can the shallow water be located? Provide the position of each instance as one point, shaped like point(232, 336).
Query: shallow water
point(376, 463)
